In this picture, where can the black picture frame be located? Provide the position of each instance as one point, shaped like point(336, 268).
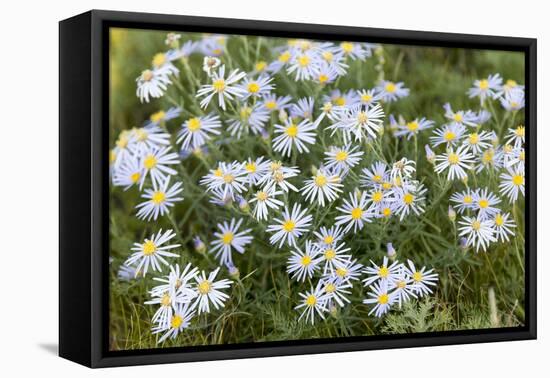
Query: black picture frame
point(83, 181)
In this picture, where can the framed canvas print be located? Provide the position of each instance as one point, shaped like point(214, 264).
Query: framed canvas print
point(233, 188)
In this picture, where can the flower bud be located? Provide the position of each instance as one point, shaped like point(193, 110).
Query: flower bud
point(200, 247)
point(430, 155)
point(452, 214)
point(233, 271)
point(392, 253)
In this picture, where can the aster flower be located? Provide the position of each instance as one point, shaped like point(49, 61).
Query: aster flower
point(353, 50)
point(303, 264)
point(129, 172)
point(354, 212)
point(152, 252)
point(334, 255)
point(303, 65)
point(159, 200)
point(303, 108)
point(324, 185)
point(503, 226)
point(362, 122)
point(229, 238)
point(409, 200)
point(256, 169)
point(513, 100)
point(228, 179)
point(477, 142)
point(490, 159)
point(485, 203)
point(209, 291)
point(461, 117)
point(478, 232)
point(313, 302)
point(488, 87)
point(456, 162)
point(345, 271)
point(266, 199)
point(376, 175)
point(156, 164)
point(152, 84)
point(291, 134)
point(512, 183)
point(449, 135)
point(196, 131)
point(422, 279)
point(162, 116)
point(516, 137)
point(327, 237)
point(178, 321)
point(388, 91)
point(383, 272)
point(368, 96)
point(342, 158)
point(380, 297)
point(278, 175)
point(463, 200)
point(257, 87)
point(273, 103)
point(413, 127)
point(250, 119)
point(225, 88)
point(291, 226)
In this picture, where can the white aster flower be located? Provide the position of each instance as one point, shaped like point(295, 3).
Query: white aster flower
point(312, 302)
point(177, 322)
point(463, 200)
point(516, 137)
point(422, 279)
point(354, 212)
point(513, 100)
point(303, 108)
point(383, 272)
point(348, 270)
point(449, 135)
point(409, 200)
point(266, 199)
point(380, 297)
point(223, 87)
point(250, 119)
point(327, 237)
point(412, 128)
point(461, 117)
point(490, 159)
point(336, 290)
point(488, 87)
point(303, 264)
point(334, 255)
point(342, 158)
point(129, 172)
point(362, 122)
point(388, 91)
point(376, 175)
point(504, 226)
point(293, 224)
point(196, 131)
point(146, 138)
point(156, 162)
point(485, 203)
point(159, 200)
point(273, 103)
point(256, 169)
point(228, 179)
point(324, 185)
point(478, 141)
point(152, 84)
point(291, 134)
point(478, 232)
point(278, 175)
point(257, 87)
point(228, 238)
point(512, 183)
point(303, 65)
point(209, 291)
point(456, 162)
point(152, 252)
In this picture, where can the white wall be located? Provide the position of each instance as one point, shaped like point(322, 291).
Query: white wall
point(29, 190)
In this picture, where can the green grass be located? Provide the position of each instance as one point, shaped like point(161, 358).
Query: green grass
point(262, 300)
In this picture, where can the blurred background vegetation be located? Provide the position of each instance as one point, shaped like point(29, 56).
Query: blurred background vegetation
point(262, 301)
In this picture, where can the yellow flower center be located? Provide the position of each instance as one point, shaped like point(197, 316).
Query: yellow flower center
point(159, 60)
point(278, 177)
point(347, 47)
point(390, 87)
point(194, 124)
point(488, 156)
point(261, 65)
point(228, 178)
point(362, 118)
point(386, 211)
point(245, 112)
point(340, 101)
point(150, 161)
point(219, 85)
point(457, 117)
point(376, 178)
point(341, 272)
point(476, 225)
point(412, 126)
point(112, 157)
point(165, 300)
point(158, 116)
point(321, 180)
point(408, 198)
point(292, 130)
point(122, 142)
point(323, 78)
point(303, 60)
point(204, 287)
point(522, 156)
point(330, 288)
point(499, 220)
point(284, 57)
point(147, 75)
point(328, 239)
point(149, 248)
point(383, 299)
point(383, 272)
point(270, 105)
point(417, 276)
point(218, 172)
point(330, 254)
point(377, 196)
point(366, 98)
point(449, 136)
point(356, 213)
point(484, 84)
point(250, 167)
point(341, 155)
point(468, 199)
point(474, 138)
point(511, 83)
point(134, 177)
point(176, 321)
point(453, 158)
point(483, 203)
point(401, 284)
point(253, 87)
point(328, 56)
point(158, 197)
point(311, 300)
point(306, 260)
point(520, 131)
point(289, 225)
point(227, 238)
point(141, 135)
point(518, 180)
point(261, 196)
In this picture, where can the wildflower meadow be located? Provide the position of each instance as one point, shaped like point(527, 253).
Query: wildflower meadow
point(268, 189)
